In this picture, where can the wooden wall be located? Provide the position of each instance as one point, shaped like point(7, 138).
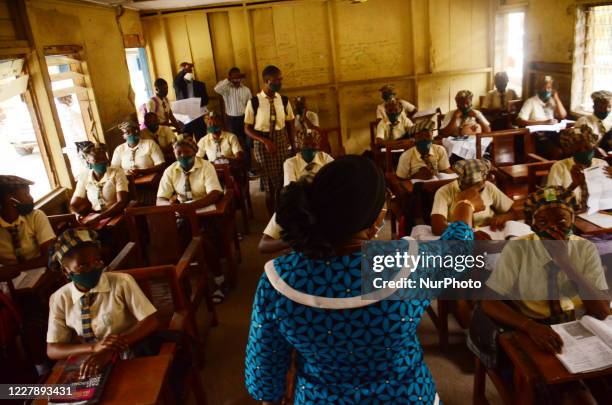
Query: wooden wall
point(336, 53)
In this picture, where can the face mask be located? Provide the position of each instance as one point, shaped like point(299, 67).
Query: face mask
point(299, 111)
point(423, 146)
point(162, 93)
point(87, 280)
point(275, 87)
point(188, 76)
point(393, 116)
point(584, 157)
point(153, 127)
point(99, 168)
point(132, 139)
point(545, 95)
point(554, 233)
point(308, 154)
point(501, 88)
point(465, 110)
point(387, 96)
point(186, 162)
point(213, 129)
point(23, 208)
point(602, 115)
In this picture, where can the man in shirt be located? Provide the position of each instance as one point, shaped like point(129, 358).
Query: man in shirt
point(600, 121)
point(465, 120)
point(497, 99)
point(235, 98)
point(218, 144)
point(160, 105)
point(387, 93)
point(394, 125)
point(185, 85)
point(161, 134)
point(137, 157)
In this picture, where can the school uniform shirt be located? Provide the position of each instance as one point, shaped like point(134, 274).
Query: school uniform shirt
point(411, 161)
point(202, 178)
point(164, 136)
point(381, 113)
point(112, 183)
point(261, 122)
point(495, 201)
point(118, 304)
point(145, 155)
point(227, 145)
point(534, 109)
point(312, 116)
point(234, 98)
point(159, 106)
point(599, 127)
point(560, 174)
point(296, 167)
point(463, 121)
point(521, 272)
point(386, 132)
point(493, 99)
point(34, 230)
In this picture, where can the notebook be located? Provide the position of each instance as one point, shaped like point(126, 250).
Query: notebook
point(83, 391)
point(437, 177)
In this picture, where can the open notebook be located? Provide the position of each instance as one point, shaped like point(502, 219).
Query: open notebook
point(511, 229)
point(437, 177)
point(587, 344)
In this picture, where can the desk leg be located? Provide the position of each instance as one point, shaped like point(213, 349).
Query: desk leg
point(227, 233)
point(523, 390)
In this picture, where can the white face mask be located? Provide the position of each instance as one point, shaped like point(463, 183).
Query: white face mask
point(188, 76)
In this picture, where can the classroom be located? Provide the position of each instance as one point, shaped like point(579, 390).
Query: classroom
point(227, 202)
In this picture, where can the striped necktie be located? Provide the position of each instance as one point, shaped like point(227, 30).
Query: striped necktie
point(188, 193)
point(16, 242)
point(272, 118)
point(88, 334)
point(584, 195)
point(133, 157)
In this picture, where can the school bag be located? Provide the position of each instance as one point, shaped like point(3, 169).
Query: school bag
point(255, 104)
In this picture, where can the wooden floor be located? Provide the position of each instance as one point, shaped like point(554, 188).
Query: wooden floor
point(223, 373)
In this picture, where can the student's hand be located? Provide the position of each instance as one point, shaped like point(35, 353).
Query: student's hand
point(472, 195)
point(270, 147)
point(577, 175)
point(472, 113)
point(424, 173)
point(458, 114)
point(544, 337)
point(551, 121)
point(116, 343)
point(134, 172)
point(498, 222)
point(94, 364)
point(91, 220)
point(481, 235)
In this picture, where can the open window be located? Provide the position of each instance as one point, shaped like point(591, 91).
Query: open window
point(22, 146)
point(509, 52)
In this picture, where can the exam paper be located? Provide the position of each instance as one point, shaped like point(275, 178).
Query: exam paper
point(465, 148)
point(600, 189)
point(189, 107)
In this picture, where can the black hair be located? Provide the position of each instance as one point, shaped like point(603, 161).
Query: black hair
point(270, 71)
point(233, 70)
point(160, 82)
point(149, 114)
point(9, 189)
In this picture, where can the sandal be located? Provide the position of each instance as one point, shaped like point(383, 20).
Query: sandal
point(218, 297)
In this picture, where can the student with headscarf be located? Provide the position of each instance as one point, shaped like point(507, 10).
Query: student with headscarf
point(394, 124)
point(387, 92)
point(543, 108)
point(473, 175)
point(497, 99)
point(137, 156)
point(424, 159)
point(600, 121)
point(580, 143)
point(103, 189)
point(465, 120)
point(310, 299)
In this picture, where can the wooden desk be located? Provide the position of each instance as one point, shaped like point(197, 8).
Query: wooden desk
point(533, 366)
point(148, 179)
point(585, 227)
point(140, 381)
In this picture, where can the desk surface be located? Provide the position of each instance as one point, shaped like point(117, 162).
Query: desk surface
point(147, 179)
point(137, 381)
point(221, 207)
point(585, 227)
point(539, 364)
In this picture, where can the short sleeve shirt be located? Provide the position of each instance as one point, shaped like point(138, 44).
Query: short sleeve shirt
point(463, 121)
point(381, 113)
point(34, 230)
point(534, 109)
point(388, 132)
point(493, 99)
point(227, 145)
point(599, 127)
point(145, 155)
point(411, 161)
point(202, 179)
point(560, 174)
point(105, 190)
point(261, 122)
point(159, 106)
point(296, 167)
point(164, 136)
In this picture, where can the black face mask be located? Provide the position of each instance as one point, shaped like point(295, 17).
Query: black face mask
point(153, 127)
point(162, 93)
point(23, 208)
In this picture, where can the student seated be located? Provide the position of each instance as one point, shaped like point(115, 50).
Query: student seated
point(218, 145)
point(472, 176)
point(543, 108)
point(387, 93)
point(497, 99)
point(580, 142)
point(424, 159)
point(305, 119)
point(600, 121)
point(465, 120)
point(304, 165)
point(394, 125)
point(137, 157)
point(101, 190)
point(161, 134)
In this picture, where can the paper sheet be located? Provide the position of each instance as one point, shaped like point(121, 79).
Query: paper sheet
point(437, 177)
point(600, 219)
point(550, 128)
point(600, 189)
point(465, 148)
point(189, 107)
point(208, 208)
point(512, 229)
point(28, 278)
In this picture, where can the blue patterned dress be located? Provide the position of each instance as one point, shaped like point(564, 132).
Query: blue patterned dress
point(366, 355)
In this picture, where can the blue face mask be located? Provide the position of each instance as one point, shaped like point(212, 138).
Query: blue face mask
point(584, 157)
point(186, 162)
point(132, 139)
point(308, 154)
point(388, 96)
point(275, 87)
point(423, 145)
point(393, 116)
point(213, 129)
point(153, 127)
point(99, 168)
point(602, 115)
point(87, 280)
point(545, 95)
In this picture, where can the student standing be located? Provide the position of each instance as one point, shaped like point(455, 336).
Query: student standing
point(160, 105)
point(268, 120)
point(185, 85)
point(235, 97)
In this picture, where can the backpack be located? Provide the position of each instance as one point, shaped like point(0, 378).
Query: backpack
point(255, 104)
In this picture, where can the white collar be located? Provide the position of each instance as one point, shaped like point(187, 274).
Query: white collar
point(102, 287)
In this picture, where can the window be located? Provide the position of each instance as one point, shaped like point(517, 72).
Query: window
point(73, 105)
point(139, 75)
point(22, 150)
point(509, 32)
point(593, 56)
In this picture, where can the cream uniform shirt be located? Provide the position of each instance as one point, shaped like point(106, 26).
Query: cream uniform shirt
point(112, 183)
point(493, 99)
point(159, 106)
point(227, 145)
point(261, 122)
point(463, 121)
point(145, 155)
point(495, 201)
point(164, 136)
point(411, 161)
point(386, 132)
point(534, 109)
point(560, 174)
point(381, 113)
point(118, 304)
point(521, 274)
point(599, 127)
point(202, 178)
point(34, 230)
